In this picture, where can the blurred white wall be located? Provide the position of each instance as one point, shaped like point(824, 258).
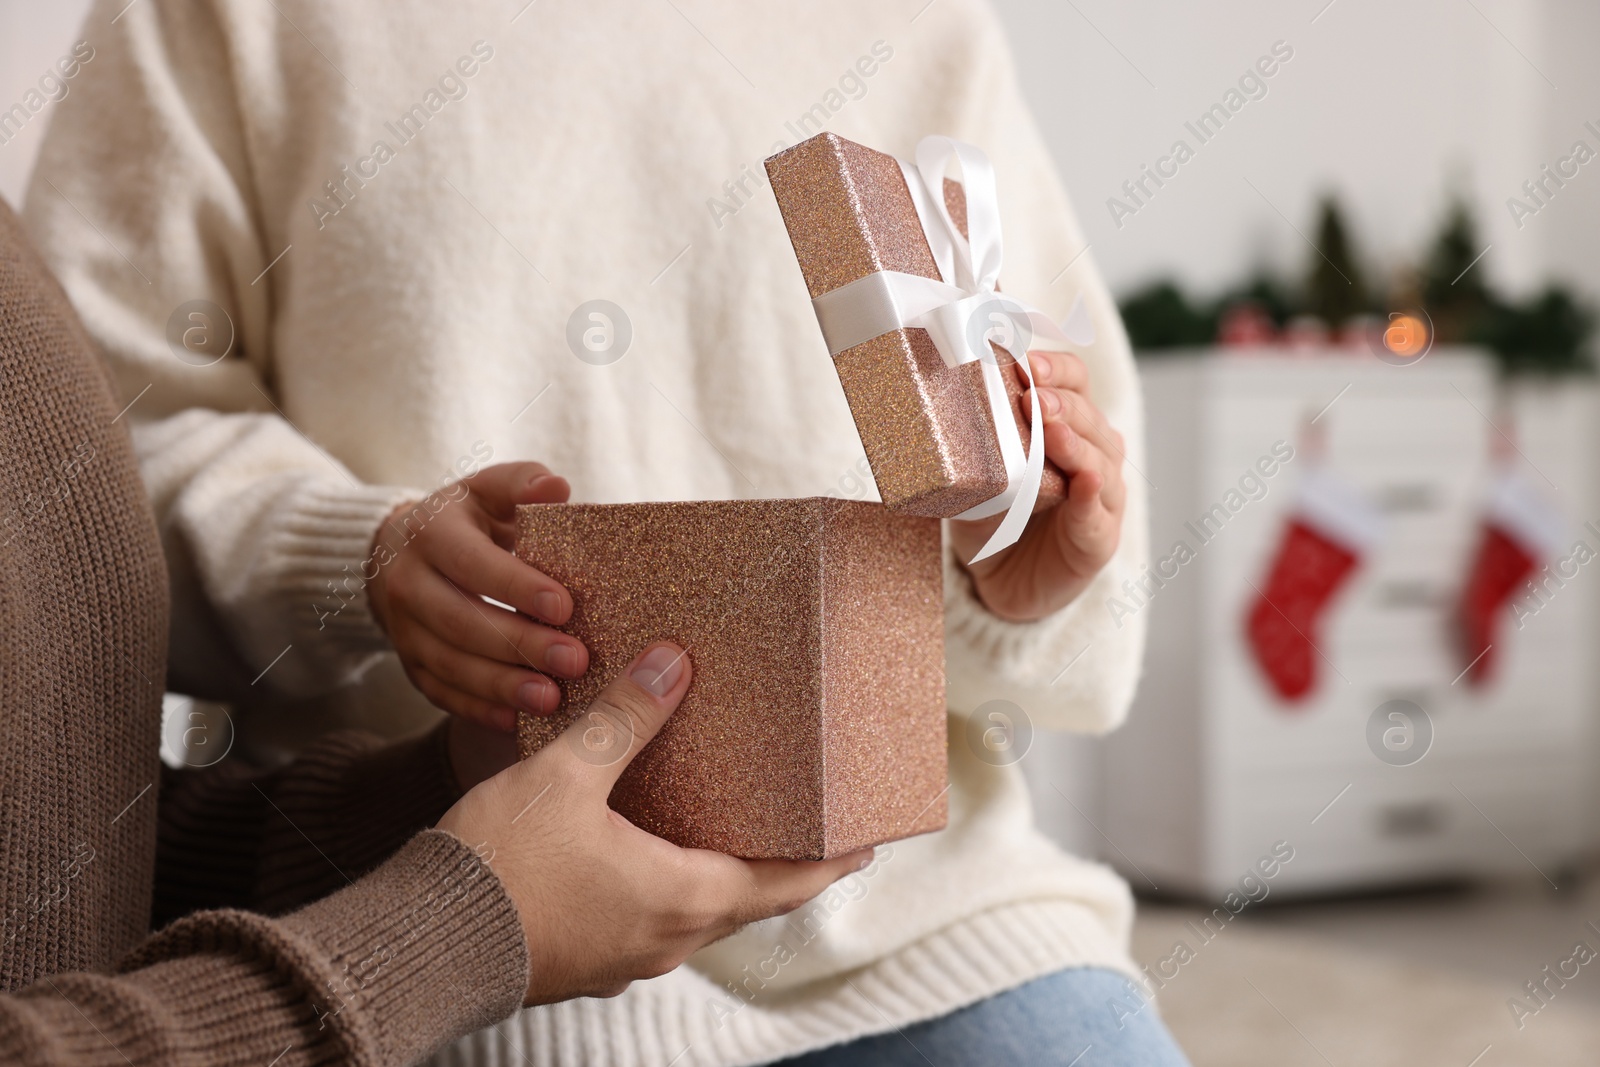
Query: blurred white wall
point(1389, 105)
point(1571, 228)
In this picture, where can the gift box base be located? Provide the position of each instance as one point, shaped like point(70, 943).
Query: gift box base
point(815, 722)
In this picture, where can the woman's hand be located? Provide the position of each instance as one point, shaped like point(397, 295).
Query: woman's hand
point(603, 903)
point(1062, 549)
point(438, 559)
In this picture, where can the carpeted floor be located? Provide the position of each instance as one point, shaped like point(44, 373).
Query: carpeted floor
point(1263, 993)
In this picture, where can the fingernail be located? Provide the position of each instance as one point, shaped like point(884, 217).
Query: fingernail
point(562, 659)
point(547, 606)
point(1040, 363)
point(659, 670)
point(1049, 401)
point(538, 697)
point(865, 861)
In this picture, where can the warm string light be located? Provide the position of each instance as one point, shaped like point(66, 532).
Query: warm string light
point(1406, 335)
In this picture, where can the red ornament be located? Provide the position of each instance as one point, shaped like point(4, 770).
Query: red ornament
point(1246, 324)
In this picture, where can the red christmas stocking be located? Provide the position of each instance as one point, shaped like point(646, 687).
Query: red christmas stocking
point(1519, 531)
point(1329, 531)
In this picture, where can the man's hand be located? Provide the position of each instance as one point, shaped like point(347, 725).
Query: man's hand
point(602, 902)
point(1062, 549)
point(437, 560)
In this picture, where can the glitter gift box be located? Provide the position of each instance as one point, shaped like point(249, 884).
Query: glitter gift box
point(815, 722)
point(927, 427)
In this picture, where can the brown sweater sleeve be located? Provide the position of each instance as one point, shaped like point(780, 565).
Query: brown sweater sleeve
point(425, 948)
point(413, 947)
point(233, 837)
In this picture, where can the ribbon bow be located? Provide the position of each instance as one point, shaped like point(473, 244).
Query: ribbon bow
point(962, 313)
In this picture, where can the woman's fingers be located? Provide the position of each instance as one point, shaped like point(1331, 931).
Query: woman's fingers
point(500, 488)
point(1077, 439)
point(487, 679)
point(1077, 454)
point(1086, 466)
point(1063, 370)
point(1084, 495)
point(473, 561)
point(1084, 522)
point(451, 557)
point(1068, 376)
point(474, 709)
point(1080, 413)
point(502, 523)
point(1068, 450)
point(458, 618)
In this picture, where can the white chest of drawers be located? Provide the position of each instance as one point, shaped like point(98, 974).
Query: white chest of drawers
point(1213, 768)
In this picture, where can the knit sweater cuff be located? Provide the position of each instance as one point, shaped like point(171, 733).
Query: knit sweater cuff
point(424, 949)
point(1007, 647)
point(326, 554)
point(1072, 670)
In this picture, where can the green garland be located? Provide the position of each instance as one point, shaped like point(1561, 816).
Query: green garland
point(1544, 334)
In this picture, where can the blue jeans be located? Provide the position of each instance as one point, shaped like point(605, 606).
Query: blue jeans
point(1082, 1017)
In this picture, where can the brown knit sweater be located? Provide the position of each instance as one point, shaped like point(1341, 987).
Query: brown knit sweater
point(418, 941)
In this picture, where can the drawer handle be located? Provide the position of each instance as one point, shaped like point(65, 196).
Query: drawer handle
point(1412, 497)
point(1422, 819)
point(1423, 698)
point(1408, 595)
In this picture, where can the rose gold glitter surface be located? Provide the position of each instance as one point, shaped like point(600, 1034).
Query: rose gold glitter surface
point(882, 643)
point(927, 428)
point(919, 425)
point(815, 723)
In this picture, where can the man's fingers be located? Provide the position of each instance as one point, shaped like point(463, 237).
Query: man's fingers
point(784, 885)
point(475, 563)
point(500, 488)
point(760, 889)
point(626, 715)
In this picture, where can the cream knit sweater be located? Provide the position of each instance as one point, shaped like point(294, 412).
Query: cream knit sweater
point(399, 206)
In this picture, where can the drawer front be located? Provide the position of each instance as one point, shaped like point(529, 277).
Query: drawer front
point(1539, 695)
point(1376, 420)
point(1378, 824)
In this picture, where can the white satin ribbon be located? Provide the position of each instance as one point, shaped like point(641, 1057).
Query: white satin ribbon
point(949, 309)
